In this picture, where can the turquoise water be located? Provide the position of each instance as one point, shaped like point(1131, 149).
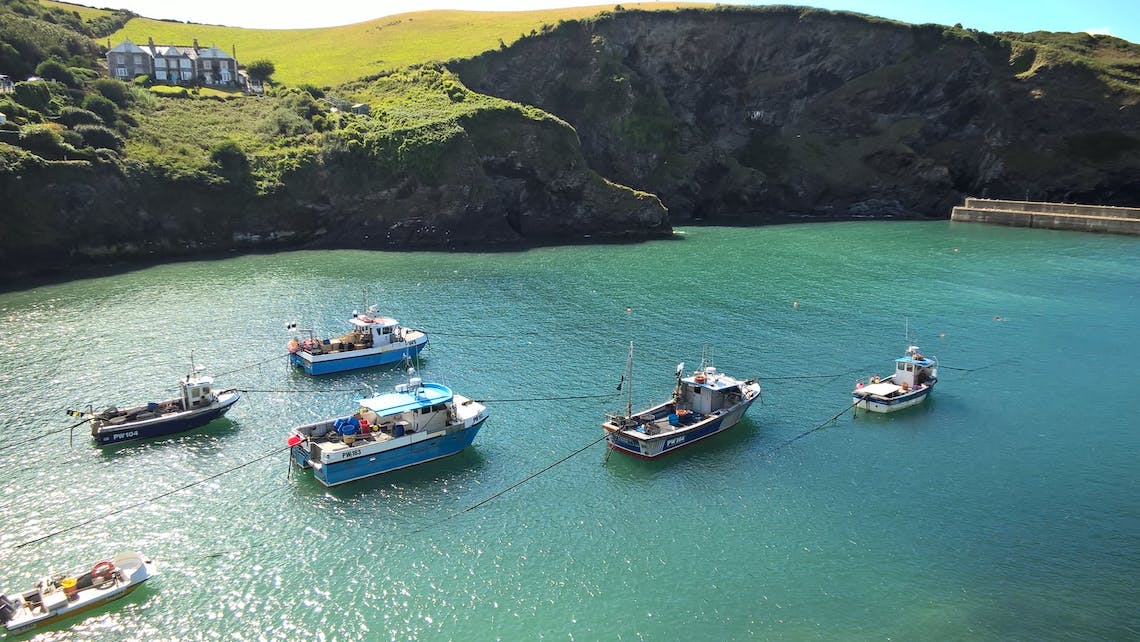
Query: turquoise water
point(1008, 506)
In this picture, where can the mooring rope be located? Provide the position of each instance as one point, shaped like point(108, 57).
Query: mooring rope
point(259, 363)
point(608, 394)
point(298, 391)
point(811, 430)
point(150, 500)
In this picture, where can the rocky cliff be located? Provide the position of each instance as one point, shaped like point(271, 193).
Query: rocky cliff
point(769, 115)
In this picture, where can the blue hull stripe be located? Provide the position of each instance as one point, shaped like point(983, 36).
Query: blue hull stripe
point(416, 453)
point(355, 362)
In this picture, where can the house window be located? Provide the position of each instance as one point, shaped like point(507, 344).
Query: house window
point(138, 59)
point(121, 72)
point(160, 74)
point(226, 77)
point(160, 63)
point(207, 64)
point(185, 63)
point(121, 58)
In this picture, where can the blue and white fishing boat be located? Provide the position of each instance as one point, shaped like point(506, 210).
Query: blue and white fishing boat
point(703, 404)
point(196, 405)
point(911, 383)
point(417, 423)
point(62, 595)
point(373, 341)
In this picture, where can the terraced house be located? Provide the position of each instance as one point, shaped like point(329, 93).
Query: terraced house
point(178, 64)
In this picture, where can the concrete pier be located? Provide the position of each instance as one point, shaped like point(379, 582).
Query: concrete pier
point(1052, 216)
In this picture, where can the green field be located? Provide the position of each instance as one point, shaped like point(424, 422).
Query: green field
point(86, 13)
point(330, 56)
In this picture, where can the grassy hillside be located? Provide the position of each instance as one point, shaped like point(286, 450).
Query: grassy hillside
point(333, 55)
point(88, 14)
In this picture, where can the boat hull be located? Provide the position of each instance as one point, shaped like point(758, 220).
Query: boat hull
point(321, 364)
point(368, 464)
point(163, 426)
point(891, 404)
point(651, 447)
point(85, 599)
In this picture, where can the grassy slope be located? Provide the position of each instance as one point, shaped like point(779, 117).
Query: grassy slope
point(330, 56)
point(86, 13)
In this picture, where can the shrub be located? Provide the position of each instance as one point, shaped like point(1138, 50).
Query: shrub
point(260, 69)
point(313, 90)
point(72, 137)
point(229, 156)
point(98, 136)
point(15, 110)
point(101, 106)
point(75, 116)
point(113, 90)
point(53, 70)
point(33, 95)
point(42, 141)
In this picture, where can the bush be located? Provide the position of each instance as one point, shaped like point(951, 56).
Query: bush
point(43, 141)
point(101, 106)
point(313, 90)
point(53, 70)
point(16, 111)
point(260, 69)
point(33, 95)
point(75, 116)
point(72, 137)
point(230, 157)
point(98, 136)
point(113, 90)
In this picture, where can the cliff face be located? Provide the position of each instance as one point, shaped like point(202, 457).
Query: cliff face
point(769, 115)
point(503, 180)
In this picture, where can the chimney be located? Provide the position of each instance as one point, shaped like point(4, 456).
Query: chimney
point(233, 50)
point(150, 41)
point(195, 44)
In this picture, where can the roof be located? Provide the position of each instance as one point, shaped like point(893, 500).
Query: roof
point(924, 362)
point(127, 46)
point(393, 403)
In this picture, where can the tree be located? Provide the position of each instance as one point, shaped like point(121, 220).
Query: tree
point(260, 70)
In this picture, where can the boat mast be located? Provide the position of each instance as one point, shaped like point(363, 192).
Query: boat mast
point(629, 382)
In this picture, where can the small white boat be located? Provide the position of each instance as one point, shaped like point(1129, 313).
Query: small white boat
point(196, 405)
point(911, 383)
point(373, 341)
point(418, 422)
point(703, 404)
point(62, 595)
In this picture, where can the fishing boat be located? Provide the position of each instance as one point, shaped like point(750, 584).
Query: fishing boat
point(416, 423)
point(196, 405)
point(61, 595)
point(703, 404)
point(373, 341)
point(910, 384)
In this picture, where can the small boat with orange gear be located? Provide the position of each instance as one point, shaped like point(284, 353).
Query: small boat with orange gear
point(374, 340)
point(909, 385)
point(62, 595)
point(703, 404)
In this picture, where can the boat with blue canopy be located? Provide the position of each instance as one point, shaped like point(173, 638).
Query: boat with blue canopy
point(909, 385)
point(416, 423)
point(374, 340)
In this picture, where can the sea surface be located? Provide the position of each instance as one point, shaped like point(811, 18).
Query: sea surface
point(1006, 507)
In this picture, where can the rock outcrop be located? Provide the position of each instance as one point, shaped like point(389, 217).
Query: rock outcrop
point(769, 115)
